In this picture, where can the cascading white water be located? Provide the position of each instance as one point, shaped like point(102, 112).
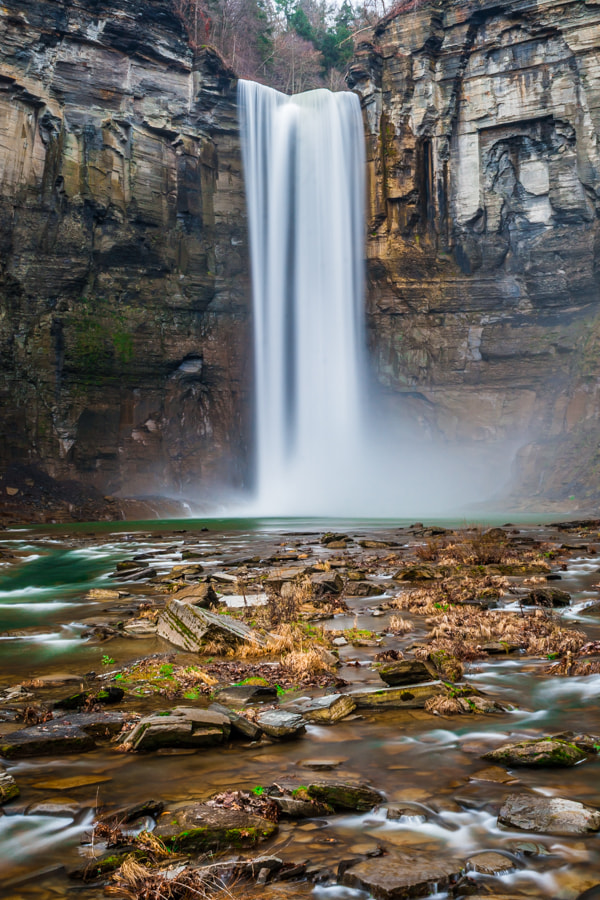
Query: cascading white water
point(304, 165)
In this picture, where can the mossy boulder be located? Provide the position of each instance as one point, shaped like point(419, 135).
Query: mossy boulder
point(9, 789)
point(405, 671)
point(547, 752)
point(343, 796)
point(200, 828)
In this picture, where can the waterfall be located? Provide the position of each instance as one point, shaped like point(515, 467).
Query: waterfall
point(304, 165)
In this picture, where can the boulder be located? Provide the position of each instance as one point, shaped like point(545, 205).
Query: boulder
point(240, 725)
point(190, 627)
point(363, 589)
point(327, 583)
point(416, 573)
point(548, 815)
point(9, 788)
point(190, 569)
point(546, 752)
point(180, 727)
point(106, 696)
point(405, 671)
point(329, 709)
point(276, 723)
point(547, 597)
point(202, 594)
point(342, 795)
point(246, 694)
point(403, 875)
point(200, 828)
point(401, 697)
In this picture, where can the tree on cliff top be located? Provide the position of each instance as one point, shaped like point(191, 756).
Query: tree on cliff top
point(292, 45)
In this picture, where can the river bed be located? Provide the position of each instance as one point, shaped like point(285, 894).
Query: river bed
point(430, 763)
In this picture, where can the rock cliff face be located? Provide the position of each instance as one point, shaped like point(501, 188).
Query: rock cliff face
point(483, 128)
point(124, 300)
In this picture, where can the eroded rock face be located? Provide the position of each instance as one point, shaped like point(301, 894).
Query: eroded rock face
point(484, 185)
point(123, 258)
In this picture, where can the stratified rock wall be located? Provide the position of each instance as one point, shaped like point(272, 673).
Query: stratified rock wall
point(483, 125)
point(124, 300)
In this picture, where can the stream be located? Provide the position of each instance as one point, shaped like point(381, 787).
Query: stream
point(432, 765)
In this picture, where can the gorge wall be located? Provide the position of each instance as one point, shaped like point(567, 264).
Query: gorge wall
point(124, 298)
point(483, 129)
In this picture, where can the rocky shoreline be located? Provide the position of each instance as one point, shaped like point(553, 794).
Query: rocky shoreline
point(252, 654)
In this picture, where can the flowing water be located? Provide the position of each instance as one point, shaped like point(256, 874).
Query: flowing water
point(431, 766)
point(304, 165)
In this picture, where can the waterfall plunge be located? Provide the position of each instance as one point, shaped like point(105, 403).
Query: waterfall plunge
point(304, 167)
point(326, 445)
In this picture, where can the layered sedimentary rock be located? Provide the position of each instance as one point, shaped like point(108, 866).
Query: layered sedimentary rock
point(123, 259)
point(483, 126)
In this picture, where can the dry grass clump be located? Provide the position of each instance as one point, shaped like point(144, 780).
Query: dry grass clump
point(136, 882)
point(461, 632)
point(435, 598)
point(398, 625)
point(442, 705)
point(570, 666)
point(310, 662)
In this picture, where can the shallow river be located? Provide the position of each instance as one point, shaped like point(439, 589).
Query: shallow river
point(430, 763)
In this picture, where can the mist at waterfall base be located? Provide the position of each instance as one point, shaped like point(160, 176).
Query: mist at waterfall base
point(326, 444)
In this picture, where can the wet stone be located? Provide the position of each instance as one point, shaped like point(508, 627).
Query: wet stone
point(329, 709)
point(9, 788)
point(490, 864)
point(45, 740)
point(202, 595)
point(246, 694)
point(180, 727)
point(400, 697)
point(200, 828)
point(327, 583)
point(403, 875)
point(549, 815)
point(537, 753)
point(240, 726)
point(276, 723)
point(343, 795)
point(549, 597)
point(363, 589)
point(190, 627)
point(405, 671)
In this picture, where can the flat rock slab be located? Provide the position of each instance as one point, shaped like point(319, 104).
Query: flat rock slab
point(404, 672)
point(401, 697)
point(342, 796)
point(200, 827)
point(246, 694)
point(490, 864)
point(329, 709)
point(400, 876)
point(180, 727)
point(537, 753)
point(549, 815)
point(46, 740)
point(190, 627)
point(277, 723)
